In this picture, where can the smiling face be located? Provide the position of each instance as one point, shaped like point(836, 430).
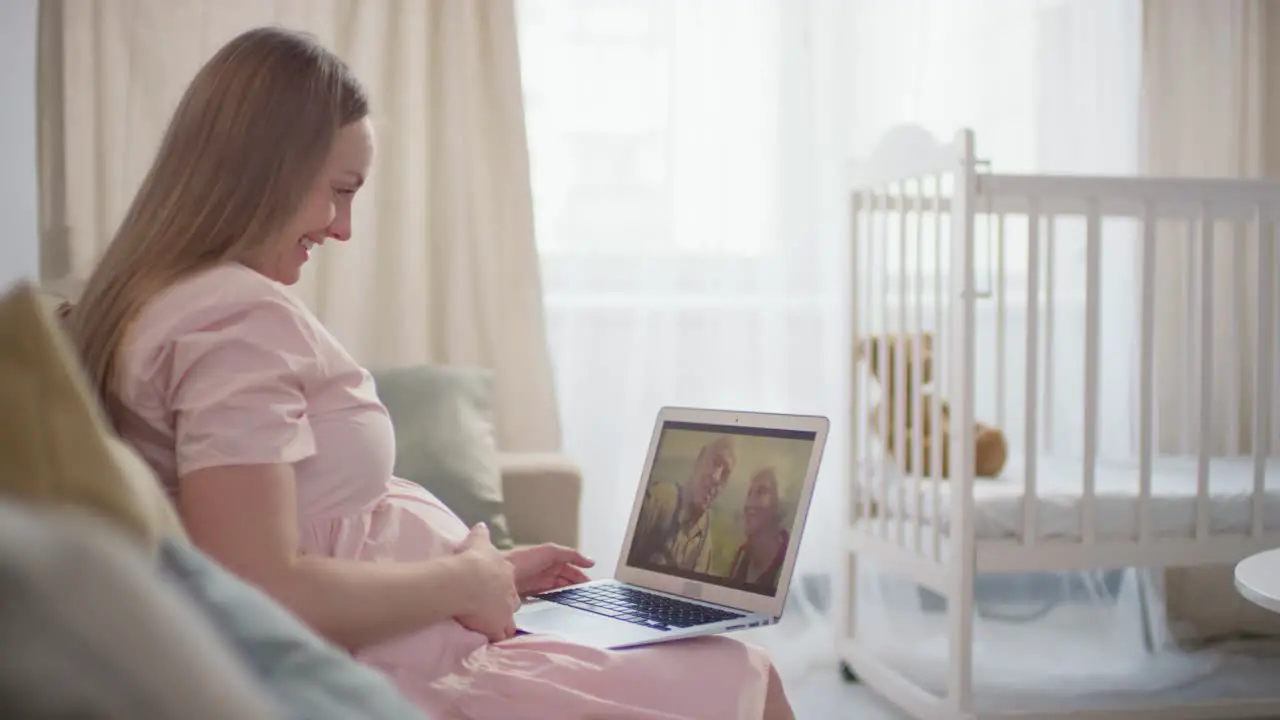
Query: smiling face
point(760, 511)
point(325, 211)
point(711, 471)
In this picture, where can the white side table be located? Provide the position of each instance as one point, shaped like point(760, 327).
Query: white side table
point(1258, 579)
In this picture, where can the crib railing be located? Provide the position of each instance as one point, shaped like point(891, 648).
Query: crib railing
point(937, 242)
point(906, 286)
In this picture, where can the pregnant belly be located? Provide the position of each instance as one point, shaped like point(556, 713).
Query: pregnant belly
point(407, 524)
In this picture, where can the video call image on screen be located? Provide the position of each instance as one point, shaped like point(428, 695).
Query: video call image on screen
point(720, 504)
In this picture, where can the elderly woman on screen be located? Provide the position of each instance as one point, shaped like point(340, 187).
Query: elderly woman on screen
point(758, 562)
point(276, 450)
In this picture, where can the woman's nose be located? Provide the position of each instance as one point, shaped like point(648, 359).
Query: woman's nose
point(340, 226)
point(340, 231)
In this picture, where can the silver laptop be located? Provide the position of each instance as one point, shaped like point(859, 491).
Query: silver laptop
point(712, 538)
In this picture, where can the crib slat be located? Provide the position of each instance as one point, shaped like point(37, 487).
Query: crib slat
point(882, 484)
point(1189, 356)
point(1001, 310)
point(1049, 354)
point(939, 304)
point(1206, 371)
point(1146, 375)
point(1236, 360)
point(873, 242)
point(1030, 496)
point(857, 507)
point(1263, 373)
point(1093, 301)
point(899, 371)
point(864, 418)
point(917, 440)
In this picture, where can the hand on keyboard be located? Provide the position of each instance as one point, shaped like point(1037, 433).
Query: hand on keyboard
point(639, 607)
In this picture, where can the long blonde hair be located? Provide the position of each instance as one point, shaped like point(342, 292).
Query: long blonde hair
point(242, 149)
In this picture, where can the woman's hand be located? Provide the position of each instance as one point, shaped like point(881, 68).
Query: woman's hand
point(491, 579)
point(546, 567)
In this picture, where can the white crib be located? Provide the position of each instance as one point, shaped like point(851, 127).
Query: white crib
point(916, 199)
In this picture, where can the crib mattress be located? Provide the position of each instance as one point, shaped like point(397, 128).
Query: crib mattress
point(998, 503)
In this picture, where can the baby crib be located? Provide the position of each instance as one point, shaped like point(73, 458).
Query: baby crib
point(934, 231)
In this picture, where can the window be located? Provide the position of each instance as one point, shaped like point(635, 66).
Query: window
point(652, 126)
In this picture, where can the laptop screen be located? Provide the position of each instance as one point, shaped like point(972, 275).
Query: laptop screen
point(720, 504)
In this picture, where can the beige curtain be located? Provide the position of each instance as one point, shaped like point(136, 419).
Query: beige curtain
point(443, 267)
point(1211, 108)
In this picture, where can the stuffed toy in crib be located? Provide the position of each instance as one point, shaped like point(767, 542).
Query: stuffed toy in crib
point(991, 449)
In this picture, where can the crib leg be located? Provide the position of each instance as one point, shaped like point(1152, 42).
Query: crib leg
point(1144, 613)
point(960, 610)
point(845, 608)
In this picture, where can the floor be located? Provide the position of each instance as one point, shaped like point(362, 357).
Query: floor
point(811, 672)
point(826, 695)
point(821, 693)
point(802, 650)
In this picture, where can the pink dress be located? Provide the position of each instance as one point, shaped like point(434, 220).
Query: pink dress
point(228, 368)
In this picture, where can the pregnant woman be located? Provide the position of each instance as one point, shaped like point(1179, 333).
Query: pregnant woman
point(271, 440)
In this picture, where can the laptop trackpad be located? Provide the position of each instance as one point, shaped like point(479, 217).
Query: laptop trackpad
point(581, 627)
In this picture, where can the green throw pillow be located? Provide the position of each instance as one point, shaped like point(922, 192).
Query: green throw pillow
point(443, 420)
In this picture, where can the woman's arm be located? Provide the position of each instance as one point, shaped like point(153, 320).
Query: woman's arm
point(245, 517)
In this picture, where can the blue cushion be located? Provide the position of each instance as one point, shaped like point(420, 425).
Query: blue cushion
point(307, 675)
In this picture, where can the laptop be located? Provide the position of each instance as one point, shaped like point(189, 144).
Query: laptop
point(712, 538)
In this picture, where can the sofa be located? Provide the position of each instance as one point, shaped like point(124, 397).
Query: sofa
point(109, 612)
point(542, 494)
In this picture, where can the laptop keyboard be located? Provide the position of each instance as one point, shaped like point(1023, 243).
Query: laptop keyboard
point(638, 607)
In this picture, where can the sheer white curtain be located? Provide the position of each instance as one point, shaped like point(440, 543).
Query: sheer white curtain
point(1047, 86)
point(688, 160)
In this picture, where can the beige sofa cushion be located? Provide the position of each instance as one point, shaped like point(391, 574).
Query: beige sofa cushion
point(542, 495)
point(55, 441)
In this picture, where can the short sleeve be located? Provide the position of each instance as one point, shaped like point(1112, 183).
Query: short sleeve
point(238, 389)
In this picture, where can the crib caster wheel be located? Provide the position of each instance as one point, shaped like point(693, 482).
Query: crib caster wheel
point(848, 674)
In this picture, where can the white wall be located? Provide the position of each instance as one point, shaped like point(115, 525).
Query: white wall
point(19, 245)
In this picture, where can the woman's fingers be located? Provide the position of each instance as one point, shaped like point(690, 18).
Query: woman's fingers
point(576, 558)
point(555, 577)
point(562, 554)
point(571, 575)
point(478, 534)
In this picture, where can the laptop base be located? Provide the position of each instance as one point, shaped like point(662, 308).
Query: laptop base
point(542, 617)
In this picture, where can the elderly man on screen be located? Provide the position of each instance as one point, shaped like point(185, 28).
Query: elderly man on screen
point(675, 520)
